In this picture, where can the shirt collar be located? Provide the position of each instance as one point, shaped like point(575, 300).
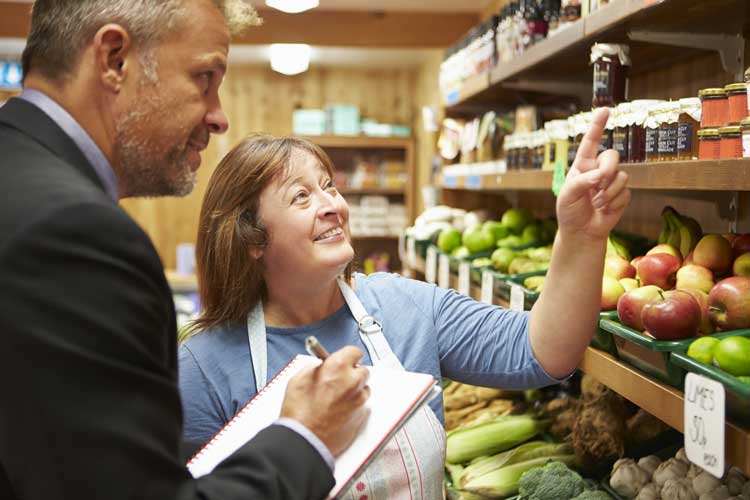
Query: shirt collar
point(80, 137)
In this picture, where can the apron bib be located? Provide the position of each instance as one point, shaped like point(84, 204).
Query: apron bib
point(410, 466)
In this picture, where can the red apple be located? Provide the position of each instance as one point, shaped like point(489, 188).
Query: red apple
point(729, 303)
point(695, 277)
point(715, 253)
point(741, 244)
point(631, 304)
point(688, 260)
point(635, 261)
point(630, 283)
point(706, 328)
point(741, 266)
point(612, 290)
point(618, 267)
point(673, 315)
point(665, 248)
point(658, 269)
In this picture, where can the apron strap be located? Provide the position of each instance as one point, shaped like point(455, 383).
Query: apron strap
point(256, 337)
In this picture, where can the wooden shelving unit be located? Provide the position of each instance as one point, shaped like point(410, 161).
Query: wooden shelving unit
point(360, 141)
point(708, 175)
point(559, 65)
point(374, 191)
point(664, 402)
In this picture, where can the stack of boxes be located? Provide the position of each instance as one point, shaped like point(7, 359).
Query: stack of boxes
point(376, 216)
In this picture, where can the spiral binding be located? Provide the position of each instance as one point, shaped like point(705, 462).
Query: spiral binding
point(240, 413)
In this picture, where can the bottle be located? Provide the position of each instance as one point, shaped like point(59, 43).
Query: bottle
point(668, 118)
point(611, 63)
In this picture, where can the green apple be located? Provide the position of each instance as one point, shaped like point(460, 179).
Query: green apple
point(534, 283)
point(477, 240)
point(541, 254)
point(449, 240)
point(515, 219)
point(481, 262)
point(461, 253)
point(495, 228)
point(511, 241)
point(501, 259)
point(531, 234)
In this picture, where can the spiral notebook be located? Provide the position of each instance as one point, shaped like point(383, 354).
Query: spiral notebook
point(395, 396)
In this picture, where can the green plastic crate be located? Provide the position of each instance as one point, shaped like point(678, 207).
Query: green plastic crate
point(602, 339)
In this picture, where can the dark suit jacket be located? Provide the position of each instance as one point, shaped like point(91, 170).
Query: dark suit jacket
point(89, 405)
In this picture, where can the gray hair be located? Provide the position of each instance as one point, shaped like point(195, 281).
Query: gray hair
point(60, 29)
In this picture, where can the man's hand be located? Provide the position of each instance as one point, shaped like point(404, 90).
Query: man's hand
point(594, 195)
point(329, 399)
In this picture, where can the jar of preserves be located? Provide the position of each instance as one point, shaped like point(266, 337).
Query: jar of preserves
point(687, 128)
point(736, 102)
point(668, 116)
point(637, 130)
point(731, 142)
point(572, 137)
point(539, 139)
point(622, 130)
point(714, 108)
point(570, 11)
point(652, 132)
point(611, 64)
point(745, 127)
point(557, 134)
point(709, 142)
point(609, 129)
point(510, 152)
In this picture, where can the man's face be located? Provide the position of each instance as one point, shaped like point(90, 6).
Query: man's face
point(168, 122)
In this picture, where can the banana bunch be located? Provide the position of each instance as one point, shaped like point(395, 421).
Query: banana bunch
point(680, 231)
point(617, 246)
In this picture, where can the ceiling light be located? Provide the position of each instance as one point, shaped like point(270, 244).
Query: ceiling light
point(292, 6)
point(290, 58)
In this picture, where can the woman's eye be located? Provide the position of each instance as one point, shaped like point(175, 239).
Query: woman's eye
point(330, 186)
point(301, 196)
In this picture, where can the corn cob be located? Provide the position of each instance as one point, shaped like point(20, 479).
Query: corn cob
point(491, 437)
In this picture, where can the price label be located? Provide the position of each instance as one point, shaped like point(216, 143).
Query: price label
point(450, 181)
point(704, 423)
point(516, 298)
point(430, 267)
point(473, 182)
point(411, 252)
point(444, 271)
point(464, 278)
point(488, 286)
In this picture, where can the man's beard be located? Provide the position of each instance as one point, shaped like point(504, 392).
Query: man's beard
point(147, 167)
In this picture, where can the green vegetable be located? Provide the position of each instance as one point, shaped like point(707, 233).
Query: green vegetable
point(554, 481)
point(505, 480)
point(491, 437)
point(593, 495)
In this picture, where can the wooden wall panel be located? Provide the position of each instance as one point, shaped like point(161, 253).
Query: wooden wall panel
point(427, 94)
point(257, 99)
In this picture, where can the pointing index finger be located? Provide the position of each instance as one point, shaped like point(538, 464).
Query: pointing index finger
point(589, 148)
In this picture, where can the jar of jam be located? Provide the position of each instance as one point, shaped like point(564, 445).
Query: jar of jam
point(637, 131)
point(731, 142)
point(736, 102)
point(538, 141)
point(714, 108)
point(557, 135)
point(667, 117)
point(611, 64)
point(573, 141)
point(747, 90)
point(745, 127)
point(687, 128)
point(709, 142)
point(652, 132)
point(622, 130)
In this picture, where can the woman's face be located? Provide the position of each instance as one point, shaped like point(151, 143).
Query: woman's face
point(307, 221)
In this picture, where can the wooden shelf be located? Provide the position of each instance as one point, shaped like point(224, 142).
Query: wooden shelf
point(375, 190)
point(665, 403)
point(708, 175)
point(559, 65)
point(360, 141)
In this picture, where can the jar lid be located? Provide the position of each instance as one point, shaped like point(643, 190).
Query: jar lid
point(713, 92)
point(731, 129)
point(736, 87)
point(600, 50)
point(707, 132)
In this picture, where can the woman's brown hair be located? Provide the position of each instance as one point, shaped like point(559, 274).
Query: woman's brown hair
point(230, 279)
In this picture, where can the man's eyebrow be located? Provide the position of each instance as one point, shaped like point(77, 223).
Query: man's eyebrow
point(217, 62)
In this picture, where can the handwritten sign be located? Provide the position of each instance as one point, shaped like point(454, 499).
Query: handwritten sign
point(516, 298)
point(444, 271)
point(430, 267)
point(704, 423)
point(488, 286)
point(464, 278)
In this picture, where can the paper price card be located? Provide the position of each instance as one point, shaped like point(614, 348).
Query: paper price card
point(411, 251)
point(464, 278)
point(704, 423)
point(444, 271)
point(488, 286)
point(430, 266)
point(516, 298)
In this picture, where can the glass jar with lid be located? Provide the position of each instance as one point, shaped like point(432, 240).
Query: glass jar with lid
point(622, 129)
point(611, 64)
point(572, 137)
point(557, 133)
point(745, 128)
point(687, 128)
point(639, 110)
point(709, 142)
point(668, 116)
point(652, 132)
point(509, 149)
point(731, 142)
point(736, 102)
point(714, 107)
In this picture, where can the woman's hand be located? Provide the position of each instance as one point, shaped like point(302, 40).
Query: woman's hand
point(594, 194)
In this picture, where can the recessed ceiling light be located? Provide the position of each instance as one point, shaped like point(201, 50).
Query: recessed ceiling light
point(290, 58)
point(292, 6)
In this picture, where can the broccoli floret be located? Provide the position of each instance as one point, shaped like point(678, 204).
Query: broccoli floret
point(554, 481)
point(593, 495)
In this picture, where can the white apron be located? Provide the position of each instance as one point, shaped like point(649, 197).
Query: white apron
point(410, 466)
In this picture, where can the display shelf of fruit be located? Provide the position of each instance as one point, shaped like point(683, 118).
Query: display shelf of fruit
point(602, 339)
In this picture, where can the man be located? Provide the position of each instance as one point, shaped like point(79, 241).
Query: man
point(120, 98)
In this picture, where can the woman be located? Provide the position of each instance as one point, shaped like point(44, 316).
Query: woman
point(274, 264)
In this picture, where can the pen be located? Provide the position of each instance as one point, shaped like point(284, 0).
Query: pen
point(315, 348)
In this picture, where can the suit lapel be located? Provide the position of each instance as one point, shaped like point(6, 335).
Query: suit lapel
point(35, 123)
